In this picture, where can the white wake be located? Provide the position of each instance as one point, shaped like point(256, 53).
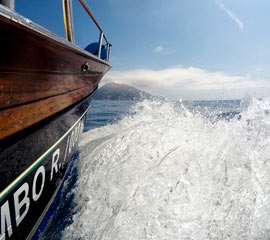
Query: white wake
point(162, 173)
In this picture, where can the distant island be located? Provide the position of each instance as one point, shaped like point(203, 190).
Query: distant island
point(115, 91)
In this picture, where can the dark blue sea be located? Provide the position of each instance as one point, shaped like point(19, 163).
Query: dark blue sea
point(169, 170)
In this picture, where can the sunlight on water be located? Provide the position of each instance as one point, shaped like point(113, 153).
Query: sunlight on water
point(166, 173)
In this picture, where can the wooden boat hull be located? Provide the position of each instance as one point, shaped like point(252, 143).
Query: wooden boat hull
point(37, 71)
point(45, 88)
point(33, 167)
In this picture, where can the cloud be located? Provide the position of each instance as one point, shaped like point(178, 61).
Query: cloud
point(230, 14)
point(159, 49)
point(188, 83)
point(259, 69)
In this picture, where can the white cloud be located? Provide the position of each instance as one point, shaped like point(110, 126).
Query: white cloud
point(259, 69)
point(230, 14)
point(189, 83)
point(159, 49)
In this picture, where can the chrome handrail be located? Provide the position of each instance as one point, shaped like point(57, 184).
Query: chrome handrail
point(68, 19)
point(88, 10)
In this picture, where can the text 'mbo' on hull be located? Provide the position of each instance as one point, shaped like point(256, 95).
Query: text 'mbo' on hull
point(45, 87)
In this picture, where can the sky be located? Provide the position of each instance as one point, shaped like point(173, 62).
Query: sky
point(179, 49)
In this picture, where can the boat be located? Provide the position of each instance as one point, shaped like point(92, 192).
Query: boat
point(46, 84)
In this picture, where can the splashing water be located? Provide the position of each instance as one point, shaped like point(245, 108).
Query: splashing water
point(167, 173)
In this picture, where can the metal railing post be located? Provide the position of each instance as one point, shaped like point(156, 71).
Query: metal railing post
point(102, 35)
point(108, 52)
point(68, 20)
point(100, 44)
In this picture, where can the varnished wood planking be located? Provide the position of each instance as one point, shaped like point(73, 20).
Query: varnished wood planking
point(16, 119)
point(20, 87)
point(40, 76)
point(33, 66)
point(25, 49)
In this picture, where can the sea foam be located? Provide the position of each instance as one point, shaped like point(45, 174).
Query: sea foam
point(164, 172)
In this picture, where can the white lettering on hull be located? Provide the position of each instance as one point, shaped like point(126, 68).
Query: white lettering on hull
point(19, 204)
point(55, 159)
point(5, 221)
point(35, 195)
point(21, 198)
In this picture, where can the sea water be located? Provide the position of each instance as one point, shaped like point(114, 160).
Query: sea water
point(170, 170)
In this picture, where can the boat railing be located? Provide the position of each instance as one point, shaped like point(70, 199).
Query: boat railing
point(69, 29)
point(68, 20)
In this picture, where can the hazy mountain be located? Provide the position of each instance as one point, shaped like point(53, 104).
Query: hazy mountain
point(115, 91)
